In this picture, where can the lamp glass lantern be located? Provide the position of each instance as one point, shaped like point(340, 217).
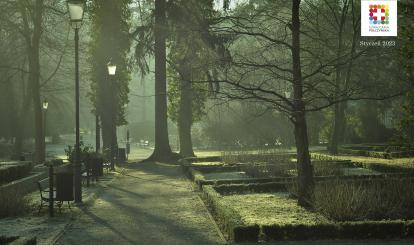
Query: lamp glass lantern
point(111, 69)
point(287, 94)
point(45, 105)
point(76, 11)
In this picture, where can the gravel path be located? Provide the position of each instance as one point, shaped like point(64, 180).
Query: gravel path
point(151, 203)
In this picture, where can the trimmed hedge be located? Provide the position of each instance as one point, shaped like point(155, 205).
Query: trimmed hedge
point(409, 226)
point(374, 166)
point(203, 159)
point(7, 239)
point(9, 173)
point(342, 230)
point(246, 233)
point(24, 241)
point(231, 223)
point(245, 157)
point(300, 232)
point(377, 154)
point(252, 187)
point(229, 219)
point(372, 229)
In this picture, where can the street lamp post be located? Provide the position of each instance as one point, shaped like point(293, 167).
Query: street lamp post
point(111, 73)
point(76, 11)
point(44, 105)
point(97, 133)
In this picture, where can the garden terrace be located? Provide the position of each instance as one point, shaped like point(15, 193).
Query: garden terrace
point(253, 212)
point(260, 204)
point(377, 150)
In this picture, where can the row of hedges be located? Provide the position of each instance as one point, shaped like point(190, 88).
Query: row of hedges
point(378, 154)
point(15, 240)
point(10, 173)
point(203, 159)
point(365, 199)
point(231, 223)
point(407, 168)
point(6, 150)
point(342, 230)
point(378, 147)
point(251, 188)
point(229, 219)
point(245, 157)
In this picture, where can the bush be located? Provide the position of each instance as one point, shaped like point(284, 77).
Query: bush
point(85, 152)
point(342, 230)
point(372, 229)
point(10, 173)
point(6, 150)
point(272, 156)
point(301, 232)
point(227, 189)
point(7, 239)
point(365, 199)
point(246, 233)
point(13, 203)
point(229, 219)
point(409, 226)
point(286, 169)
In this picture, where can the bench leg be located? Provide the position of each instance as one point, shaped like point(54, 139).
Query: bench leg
point(40, 207)
point(59, 204)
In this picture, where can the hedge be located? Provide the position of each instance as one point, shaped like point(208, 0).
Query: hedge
point(7, 239)
point(374, 166)
point(342, 230)
point(377, 154)
point(203, 159)
point(252, 187)
point(229, 219)
point(9, 173)
point(300, 232)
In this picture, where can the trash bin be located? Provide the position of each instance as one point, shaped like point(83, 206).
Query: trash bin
point(97, 166)
point(121, 155)
point(64, 186)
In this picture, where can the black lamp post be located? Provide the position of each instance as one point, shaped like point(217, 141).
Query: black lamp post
point(44, 106)
point(76, 10)
point(111, 73)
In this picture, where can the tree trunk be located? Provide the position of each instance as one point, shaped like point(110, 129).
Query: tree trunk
point(97, 134)
point(162, 151)
point(185, 117)
point(34, 77)
point(106, 133)
point(338, 124)
point(108, 117)
point(338, 127)
point(20, 125)
point(304, 166)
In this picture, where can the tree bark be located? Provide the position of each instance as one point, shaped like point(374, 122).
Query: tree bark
point(33, 47)
point(108, 117)
point(338, 127)
point(162, 151)
point(97, 134)
point(339, 122)
point(304, 166)
point(185, 117)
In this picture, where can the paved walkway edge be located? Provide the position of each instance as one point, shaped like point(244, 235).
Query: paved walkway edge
point(89, 201)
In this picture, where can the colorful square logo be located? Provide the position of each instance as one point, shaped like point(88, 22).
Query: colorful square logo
point(379, 18)
point(379, 14)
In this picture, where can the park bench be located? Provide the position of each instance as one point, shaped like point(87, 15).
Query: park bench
point(107, 166)
point(43, 186)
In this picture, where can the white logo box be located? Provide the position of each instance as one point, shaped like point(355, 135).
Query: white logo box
point(379, 30)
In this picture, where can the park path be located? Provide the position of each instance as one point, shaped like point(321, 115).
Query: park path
point(150, 203)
